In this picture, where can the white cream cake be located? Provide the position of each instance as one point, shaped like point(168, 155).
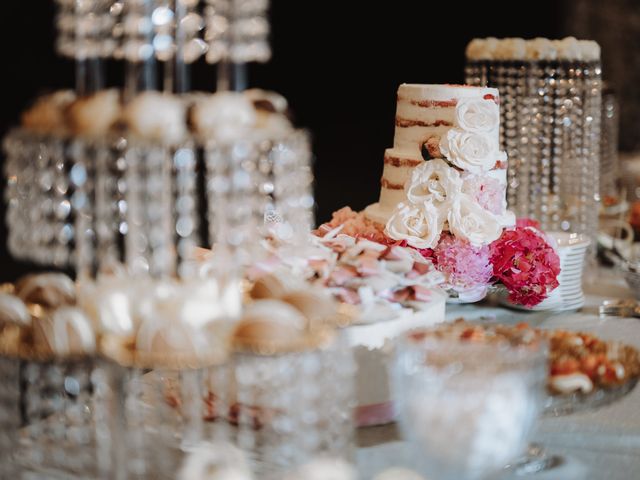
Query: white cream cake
point(424, 114)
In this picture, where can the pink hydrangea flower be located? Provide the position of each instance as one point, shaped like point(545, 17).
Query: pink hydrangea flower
point(464, 266)
point(526, 265)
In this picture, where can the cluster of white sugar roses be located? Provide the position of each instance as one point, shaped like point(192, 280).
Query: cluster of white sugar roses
point(472, 145)
point(457, 196)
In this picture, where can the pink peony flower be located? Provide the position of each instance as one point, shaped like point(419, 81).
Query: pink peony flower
point(463, 265)
point(487, 191)
point(525, 264)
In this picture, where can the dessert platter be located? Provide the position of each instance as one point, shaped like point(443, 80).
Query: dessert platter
point(207, 329)
point(584, 372)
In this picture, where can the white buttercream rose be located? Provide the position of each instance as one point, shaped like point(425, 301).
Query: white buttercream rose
point(470, 221)
point(420, 226)
point(473, 152)
point(434, 182)
point(477, 115)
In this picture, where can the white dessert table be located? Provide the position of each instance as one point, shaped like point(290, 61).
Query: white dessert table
point(595, 445)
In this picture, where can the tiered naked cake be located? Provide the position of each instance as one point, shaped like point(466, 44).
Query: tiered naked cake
point(464, 120)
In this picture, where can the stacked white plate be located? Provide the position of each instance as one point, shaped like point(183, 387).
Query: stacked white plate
point(571, 249)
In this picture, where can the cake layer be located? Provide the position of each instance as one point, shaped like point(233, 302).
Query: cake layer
point(425, 111)
point(390, 198)
point(438, 96)
point(377, 213)
point(412, 138)
point(398, 166)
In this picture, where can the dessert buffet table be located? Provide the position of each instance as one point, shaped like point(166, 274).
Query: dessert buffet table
point(598, 444)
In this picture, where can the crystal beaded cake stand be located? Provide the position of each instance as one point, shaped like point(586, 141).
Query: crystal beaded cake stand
point(550, 129)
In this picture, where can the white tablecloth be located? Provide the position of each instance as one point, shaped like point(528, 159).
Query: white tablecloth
point(603, 444)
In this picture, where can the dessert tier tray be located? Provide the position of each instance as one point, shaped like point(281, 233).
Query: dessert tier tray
point(579, 402)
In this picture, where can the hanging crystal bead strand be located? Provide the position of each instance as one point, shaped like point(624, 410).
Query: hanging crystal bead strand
point(186, 206)
point(110, 202)
point(189, 25)
point(17, 169)
point(137, 47)
point(506, 82)
point(237, 33)
point(190, 45)
point(231, 199)
point(61, 196)
point(85, 34)
point(148, 239)
point(578, 203)
point(552, 147)
point(543, 125)
point(562, 145)
point(293, 196)
point(592, 106)
point(531, 141)
point(12, 146)
point(158, 212)
point(250, 31)
point(81, 173)
point(177, 25)
point(610, 187)
point(518, 137)
point(476, 73)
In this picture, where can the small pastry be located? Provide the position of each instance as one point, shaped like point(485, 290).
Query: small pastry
point(273, 286)
point(109, 303)
point(573, 382)
point(158, 117)
point(164, 337)
point(270, 322)
point(267, 101)
point(182, 330)
point(224, 116)
point(67, 331)
point(47, 114)
point(272, 125)
point(13, 311)
point(50, 290)
point(316, 305)
point(95, 115)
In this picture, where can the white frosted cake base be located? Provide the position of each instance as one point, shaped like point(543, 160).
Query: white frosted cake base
point(373, 348)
